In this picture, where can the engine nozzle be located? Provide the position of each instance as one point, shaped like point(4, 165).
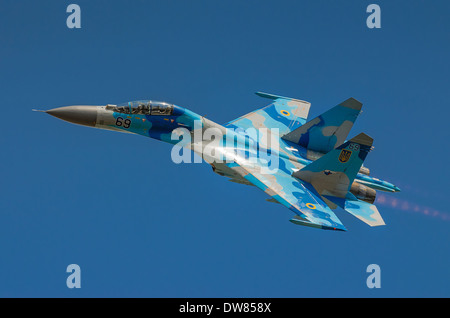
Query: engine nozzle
point(363, 193)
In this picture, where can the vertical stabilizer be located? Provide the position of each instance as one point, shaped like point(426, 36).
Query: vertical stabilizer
point(329, 130)
point(334, 173)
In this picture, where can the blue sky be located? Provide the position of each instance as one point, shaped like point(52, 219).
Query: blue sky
point(139, 225)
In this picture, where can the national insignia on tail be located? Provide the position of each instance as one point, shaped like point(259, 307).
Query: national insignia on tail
point(345, 155)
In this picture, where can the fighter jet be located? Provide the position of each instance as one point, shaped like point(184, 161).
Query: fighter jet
point(307, 166)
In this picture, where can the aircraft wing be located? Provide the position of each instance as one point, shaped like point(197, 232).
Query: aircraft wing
point(284, 113)
point(298, 196)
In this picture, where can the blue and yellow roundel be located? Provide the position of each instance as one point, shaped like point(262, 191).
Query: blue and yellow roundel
point(285, 112)
point(311, 206)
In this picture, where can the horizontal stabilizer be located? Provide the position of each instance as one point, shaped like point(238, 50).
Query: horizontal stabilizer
point(366, 212)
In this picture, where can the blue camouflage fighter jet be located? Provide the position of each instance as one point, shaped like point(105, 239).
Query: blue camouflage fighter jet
point(307, 166)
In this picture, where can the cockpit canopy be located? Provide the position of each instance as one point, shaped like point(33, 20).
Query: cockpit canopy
point(143, 107)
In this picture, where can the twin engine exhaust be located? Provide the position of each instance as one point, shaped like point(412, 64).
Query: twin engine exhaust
point(363, 193)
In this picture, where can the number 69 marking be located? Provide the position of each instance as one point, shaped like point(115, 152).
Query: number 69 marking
point(353, 146)
point(121, 122)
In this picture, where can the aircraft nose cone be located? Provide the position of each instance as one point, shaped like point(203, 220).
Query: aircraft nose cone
point(81, 115)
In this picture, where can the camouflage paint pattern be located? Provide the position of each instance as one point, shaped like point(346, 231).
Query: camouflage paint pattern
point(312, 189)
